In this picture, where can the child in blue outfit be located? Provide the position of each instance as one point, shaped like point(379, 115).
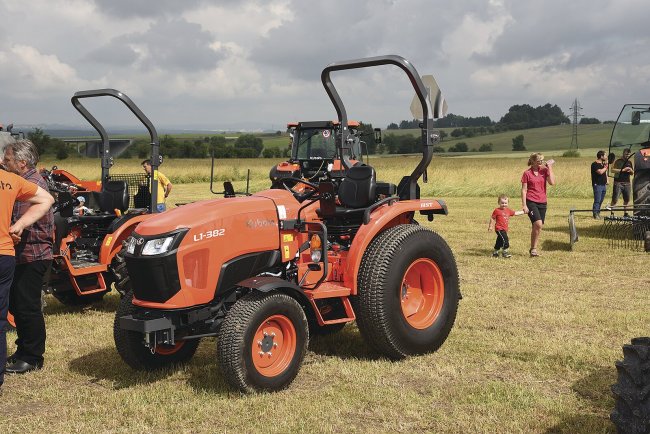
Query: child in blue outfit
point(499, 222)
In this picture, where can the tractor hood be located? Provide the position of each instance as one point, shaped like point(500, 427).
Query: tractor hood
point(239, 216)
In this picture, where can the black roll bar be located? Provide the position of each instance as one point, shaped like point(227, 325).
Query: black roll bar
point(420, 91)
point(107, 160)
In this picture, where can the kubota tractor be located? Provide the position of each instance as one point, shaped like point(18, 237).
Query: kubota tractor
point(86, 247)
point(314, 151)
point(263, 272)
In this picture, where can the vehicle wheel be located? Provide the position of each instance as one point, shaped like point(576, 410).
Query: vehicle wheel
point(130, 344)
point(631, 413)
point(262, 342)
point(641, 190)
point(120, 275)
point(407, 292)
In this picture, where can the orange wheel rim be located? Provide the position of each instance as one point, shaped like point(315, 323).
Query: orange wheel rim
point(422, 293)
point(274, 345)
point(166, 350)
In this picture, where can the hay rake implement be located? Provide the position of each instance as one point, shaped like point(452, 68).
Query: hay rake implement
point(622, 231)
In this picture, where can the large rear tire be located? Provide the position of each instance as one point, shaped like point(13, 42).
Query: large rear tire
point(641, 190)
point(632, 408)
point(407, 292)
point(130, 345)
point(262, 342)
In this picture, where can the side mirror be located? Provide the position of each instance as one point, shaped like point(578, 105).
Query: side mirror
point(378, 135)
point(611, 158)
point(636, 117)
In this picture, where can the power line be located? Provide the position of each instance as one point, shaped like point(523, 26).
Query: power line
point(575, 114)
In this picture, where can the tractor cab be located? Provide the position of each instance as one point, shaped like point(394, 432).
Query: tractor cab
point(630, 143)
point(314, 152)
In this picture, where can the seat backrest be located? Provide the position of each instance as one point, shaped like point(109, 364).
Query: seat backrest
point(115, 195)
point(358, 188)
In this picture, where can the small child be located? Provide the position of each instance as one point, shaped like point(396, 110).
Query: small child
point(499, 222)
point(81, 209)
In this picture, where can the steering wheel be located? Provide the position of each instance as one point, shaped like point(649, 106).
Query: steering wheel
point(298, 195)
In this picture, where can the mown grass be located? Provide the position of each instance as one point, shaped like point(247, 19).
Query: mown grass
point(532, 350)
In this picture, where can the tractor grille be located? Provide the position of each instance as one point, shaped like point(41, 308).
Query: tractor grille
point(153, 278)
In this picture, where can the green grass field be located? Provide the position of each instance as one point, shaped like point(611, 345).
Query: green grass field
point(532, 350)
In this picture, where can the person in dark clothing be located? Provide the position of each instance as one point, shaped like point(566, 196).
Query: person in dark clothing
point(13, 188)
point(33, 258)
point(599, 182)
point(622, 170)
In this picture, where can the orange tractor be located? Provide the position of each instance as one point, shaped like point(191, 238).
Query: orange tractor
point(86, 261)
point(314, 152)
point(264, 272)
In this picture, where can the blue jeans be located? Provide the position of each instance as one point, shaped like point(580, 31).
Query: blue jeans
point(599, 196)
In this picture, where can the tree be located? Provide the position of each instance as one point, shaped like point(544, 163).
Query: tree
point(589, 121)
point(392, 126)
point(61, 151)
point(485, 147)
point(459, 147)
point(248, 146)
point(41, 140)
point(518, 143)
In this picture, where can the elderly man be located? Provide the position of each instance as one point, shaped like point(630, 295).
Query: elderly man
point(33, 258)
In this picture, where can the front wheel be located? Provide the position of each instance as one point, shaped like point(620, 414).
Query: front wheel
point(130, 344)
point(408, 292)
point(262, 342)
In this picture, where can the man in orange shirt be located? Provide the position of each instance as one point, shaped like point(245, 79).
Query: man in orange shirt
point(13, 188)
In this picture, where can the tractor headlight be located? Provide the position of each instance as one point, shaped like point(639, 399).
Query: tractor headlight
point(130, 245)
point(157, 246)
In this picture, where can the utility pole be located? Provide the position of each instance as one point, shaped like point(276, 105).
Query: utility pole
point(575, 114)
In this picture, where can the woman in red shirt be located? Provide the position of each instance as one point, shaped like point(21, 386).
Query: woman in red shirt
point(533, 194)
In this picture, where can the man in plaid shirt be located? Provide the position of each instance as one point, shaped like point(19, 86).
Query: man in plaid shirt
point(33, 258)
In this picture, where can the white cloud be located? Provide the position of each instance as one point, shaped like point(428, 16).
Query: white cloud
point(30, 72)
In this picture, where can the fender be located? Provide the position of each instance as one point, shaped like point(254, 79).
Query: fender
point(271, 283)
point(88, 185)
point(112, 242)
point(383, 218)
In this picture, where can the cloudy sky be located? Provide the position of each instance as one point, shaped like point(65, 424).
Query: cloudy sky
point(216, 64)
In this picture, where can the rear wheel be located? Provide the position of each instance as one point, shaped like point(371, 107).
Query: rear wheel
point(262, 342)
point(641, 190)
point(130, 344)
point(408, 292)
point(632, 411)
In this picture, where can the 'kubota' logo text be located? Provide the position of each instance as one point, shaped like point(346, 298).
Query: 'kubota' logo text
point(260, 223)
